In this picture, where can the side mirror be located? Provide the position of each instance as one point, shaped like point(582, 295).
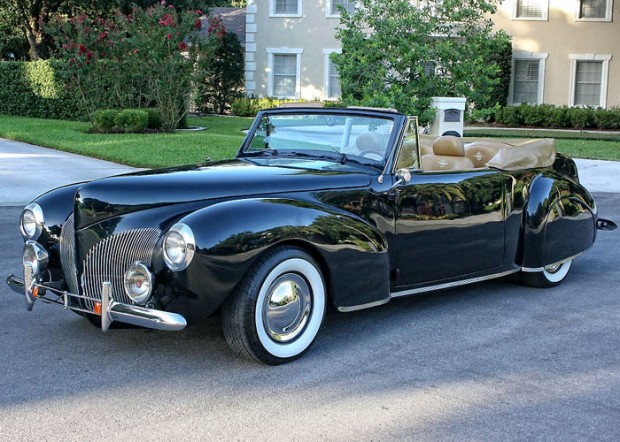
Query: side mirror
point(403, 176)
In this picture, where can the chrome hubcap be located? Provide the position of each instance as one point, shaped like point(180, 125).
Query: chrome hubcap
point(287, 307)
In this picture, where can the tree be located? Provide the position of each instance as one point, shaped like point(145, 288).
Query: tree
point(221, 71)
point(32, 17)
point(399, 54)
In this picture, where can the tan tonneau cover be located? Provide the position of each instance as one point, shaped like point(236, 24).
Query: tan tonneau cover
point(513, 154)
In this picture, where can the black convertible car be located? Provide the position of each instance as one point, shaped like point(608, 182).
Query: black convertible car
point(344, 206)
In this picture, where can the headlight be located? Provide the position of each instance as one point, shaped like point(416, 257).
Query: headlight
point(138, 283)
point(35, 256)
point(31, 221)
point(179, 247)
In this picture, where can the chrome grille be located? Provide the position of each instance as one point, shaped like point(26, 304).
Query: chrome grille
point(109, 259)
point(67, 254)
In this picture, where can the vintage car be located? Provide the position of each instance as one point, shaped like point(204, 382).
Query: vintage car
point(344, 206)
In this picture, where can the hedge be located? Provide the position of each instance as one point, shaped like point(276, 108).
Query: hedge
point(562, 117)
point(34, 89)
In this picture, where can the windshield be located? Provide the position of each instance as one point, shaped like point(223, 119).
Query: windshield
point(361, 139)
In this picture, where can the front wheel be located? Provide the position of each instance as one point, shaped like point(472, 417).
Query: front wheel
point(551, 275)
point(277, 310)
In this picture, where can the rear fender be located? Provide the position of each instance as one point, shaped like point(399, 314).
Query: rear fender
point(231, 236)
point(559, 221)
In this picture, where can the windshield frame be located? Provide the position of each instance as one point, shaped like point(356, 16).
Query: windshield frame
point(396, 118)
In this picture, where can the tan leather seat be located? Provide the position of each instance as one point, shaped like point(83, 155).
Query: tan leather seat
point(480, 153)
point(448, 154)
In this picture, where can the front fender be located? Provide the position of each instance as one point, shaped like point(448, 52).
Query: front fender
point(559, 220)
point(231, 236)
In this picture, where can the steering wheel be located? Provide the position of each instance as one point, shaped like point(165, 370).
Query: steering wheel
point(371, 154)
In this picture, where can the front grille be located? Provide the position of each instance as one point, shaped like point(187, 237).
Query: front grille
point(109, 259)
point(67, 254)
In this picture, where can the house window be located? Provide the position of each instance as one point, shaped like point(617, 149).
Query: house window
point(531, 9)
point(284, 72)
point(528, 74)
point(333, 9)
point(589, 80)
point(332, 77)
point(526, 81)
point(285, 8)
point(595, 10)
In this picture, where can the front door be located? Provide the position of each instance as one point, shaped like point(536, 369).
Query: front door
point(448, 225)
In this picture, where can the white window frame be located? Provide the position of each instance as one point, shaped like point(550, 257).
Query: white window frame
point(608, 12)
point(329, 10)
point(284, 51)
point(326, 76)
point(574, 58)
point(542, 63)
point(545, 12)
point(272, 10)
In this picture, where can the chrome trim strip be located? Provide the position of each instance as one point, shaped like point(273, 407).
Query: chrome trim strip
point(448, 285)
point(541, 269)
point(353, 308)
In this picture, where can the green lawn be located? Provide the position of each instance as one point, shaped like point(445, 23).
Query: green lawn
point(221, 140)
point(224, 136)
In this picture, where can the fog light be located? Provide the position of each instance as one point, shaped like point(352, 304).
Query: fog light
point(35, 256)
point(138, 283)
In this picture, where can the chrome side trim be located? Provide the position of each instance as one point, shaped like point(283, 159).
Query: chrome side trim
point(541, 269)
point(448, 285)
point(353, 308)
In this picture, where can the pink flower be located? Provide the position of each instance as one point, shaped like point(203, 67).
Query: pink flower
point(198, 24)
point(163, 2)
point(169, 36)
point(89, 54)
point(167, 20)
point(81, 49)
point(182, 46)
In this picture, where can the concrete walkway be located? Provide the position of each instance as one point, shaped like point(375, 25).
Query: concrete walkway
point(27, 171)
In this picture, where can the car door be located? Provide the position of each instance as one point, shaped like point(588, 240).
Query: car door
point(448, 225)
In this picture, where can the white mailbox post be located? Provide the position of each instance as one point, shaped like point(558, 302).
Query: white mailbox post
point(450, 115)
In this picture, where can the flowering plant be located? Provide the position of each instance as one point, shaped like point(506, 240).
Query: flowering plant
point(145, 58)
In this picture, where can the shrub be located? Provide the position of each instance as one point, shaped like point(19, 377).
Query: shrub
point(607, 119)
point(558, 117)
point(581, 118)
point(154, 121)
point(105, 120)
point(35, 89)
point(132, 120)
point(222, 71)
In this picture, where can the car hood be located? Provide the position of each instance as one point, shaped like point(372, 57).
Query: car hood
point(117, 195)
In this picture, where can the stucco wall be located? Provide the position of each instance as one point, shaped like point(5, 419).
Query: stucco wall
point(560, 36)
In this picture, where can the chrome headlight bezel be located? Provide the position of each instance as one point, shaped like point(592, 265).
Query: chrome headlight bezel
point(31, 221)
point(141, 270)
point(179, 246)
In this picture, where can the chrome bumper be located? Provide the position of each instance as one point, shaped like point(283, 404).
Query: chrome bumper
point(110, 310)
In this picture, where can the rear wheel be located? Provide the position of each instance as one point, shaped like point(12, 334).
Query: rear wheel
point(277, 310)
point(551, 276)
